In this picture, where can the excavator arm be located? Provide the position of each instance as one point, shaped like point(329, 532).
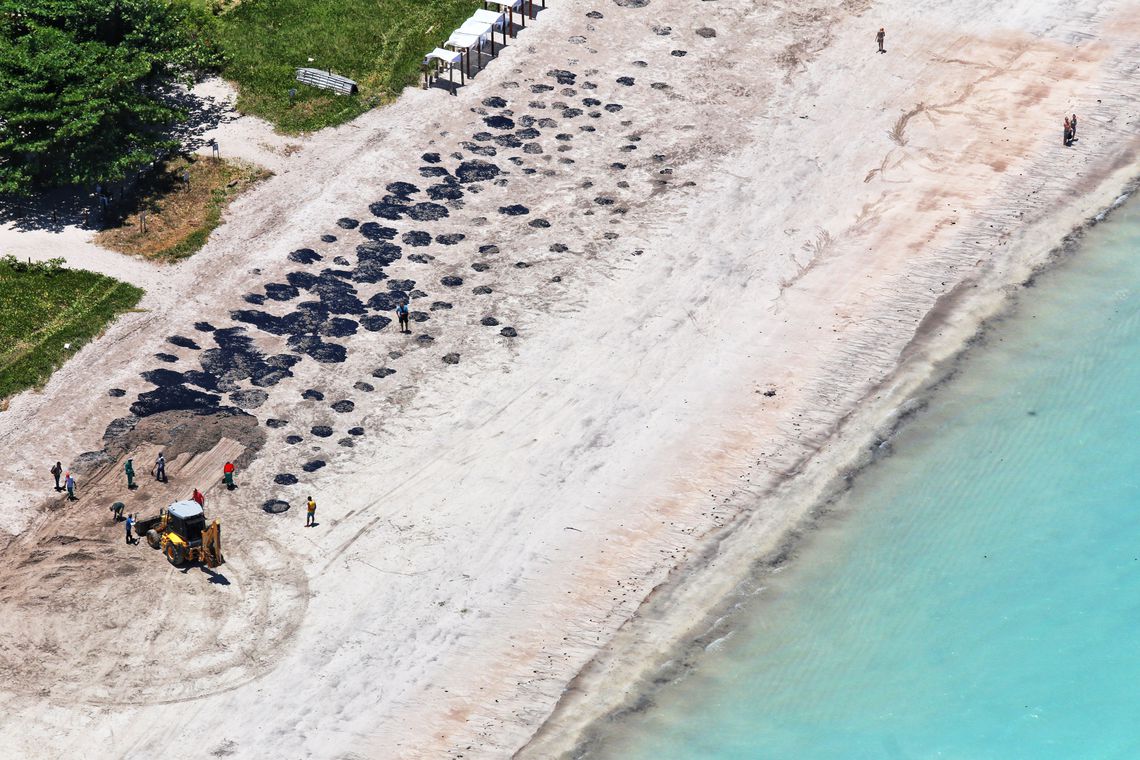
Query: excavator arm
point(212, 545)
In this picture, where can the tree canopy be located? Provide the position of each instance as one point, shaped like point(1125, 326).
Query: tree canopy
point(85, 86)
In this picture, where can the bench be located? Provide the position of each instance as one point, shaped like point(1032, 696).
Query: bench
point(327, 81)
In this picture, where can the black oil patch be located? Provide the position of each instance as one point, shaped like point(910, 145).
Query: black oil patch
point(251, 398)
point(374, 322)
point(183, 342)
point(417, 238)
point(374, 231)
point(427, 212)
point(305, 256)
point(476, 170)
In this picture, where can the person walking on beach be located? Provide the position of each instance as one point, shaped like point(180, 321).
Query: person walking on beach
point(1073, 127)
point(1068, 132)
point(70, 483)
point(57, 471)
point(402, 315)
point(130, 527)
point(129, 468)
point(881, 37)
point(159, 469)
point(228, 475)
point(311, 514)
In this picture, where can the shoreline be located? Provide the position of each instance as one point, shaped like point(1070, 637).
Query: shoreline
point(731, 568)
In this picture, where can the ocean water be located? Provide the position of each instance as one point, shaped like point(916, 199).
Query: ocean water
point(978, 594)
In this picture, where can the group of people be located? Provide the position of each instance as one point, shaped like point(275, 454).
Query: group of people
point(159, 473)
point(1070, 129)
point(68, 481)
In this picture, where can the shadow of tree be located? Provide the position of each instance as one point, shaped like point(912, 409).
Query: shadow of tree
point(97, 206)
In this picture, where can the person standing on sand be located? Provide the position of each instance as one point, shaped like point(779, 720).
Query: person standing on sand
point(159, 469)
point(57, 471)
point(70, 483)
point(881, 37)
point(402, 315)
point(1073, 127)
point(129, 468)
point(311, 514)
point(228, 475)
point(130, 527)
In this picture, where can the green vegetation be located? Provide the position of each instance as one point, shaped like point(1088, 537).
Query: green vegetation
point(85, 86)
point(44, 307)
point(378, 43)
point(179, 216)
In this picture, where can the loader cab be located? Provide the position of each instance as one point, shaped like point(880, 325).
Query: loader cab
point(186, 519)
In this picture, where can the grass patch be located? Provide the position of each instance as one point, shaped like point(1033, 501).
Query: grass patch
point(44, 307)
point(179, 216)
point(378, 43)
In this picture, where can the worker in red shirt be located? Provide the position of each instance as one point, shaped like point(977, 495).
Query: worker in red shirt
point(199, 497)
point(228, 475)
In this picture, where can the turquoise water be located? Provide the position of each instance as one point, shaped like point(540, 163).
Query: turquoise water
point(979, 594)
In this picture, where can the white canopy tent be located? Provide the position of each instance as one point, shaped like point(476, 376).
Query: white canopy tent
point(463, 42)
point(497, 20)
point(448, 57)
point(509, 6)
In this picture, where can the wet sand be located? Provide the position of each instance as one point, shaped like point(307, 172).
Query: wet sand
point(670, 267)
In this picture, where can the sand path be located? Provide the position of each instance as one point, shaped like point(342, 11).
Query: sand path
point(502, 518)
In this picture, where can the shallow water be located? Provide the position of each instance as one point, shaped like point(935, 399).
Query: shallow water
point(978, 596)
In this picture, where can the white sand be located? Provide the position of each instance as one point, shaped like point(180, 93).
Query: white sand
point(503, 519)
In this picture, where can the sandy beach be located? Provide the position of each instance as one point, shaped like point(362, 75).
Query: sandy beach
point(747, 240)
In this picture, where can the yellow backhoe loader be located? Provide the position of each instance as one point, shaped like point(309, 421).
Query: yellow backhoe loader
point(180, 532)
